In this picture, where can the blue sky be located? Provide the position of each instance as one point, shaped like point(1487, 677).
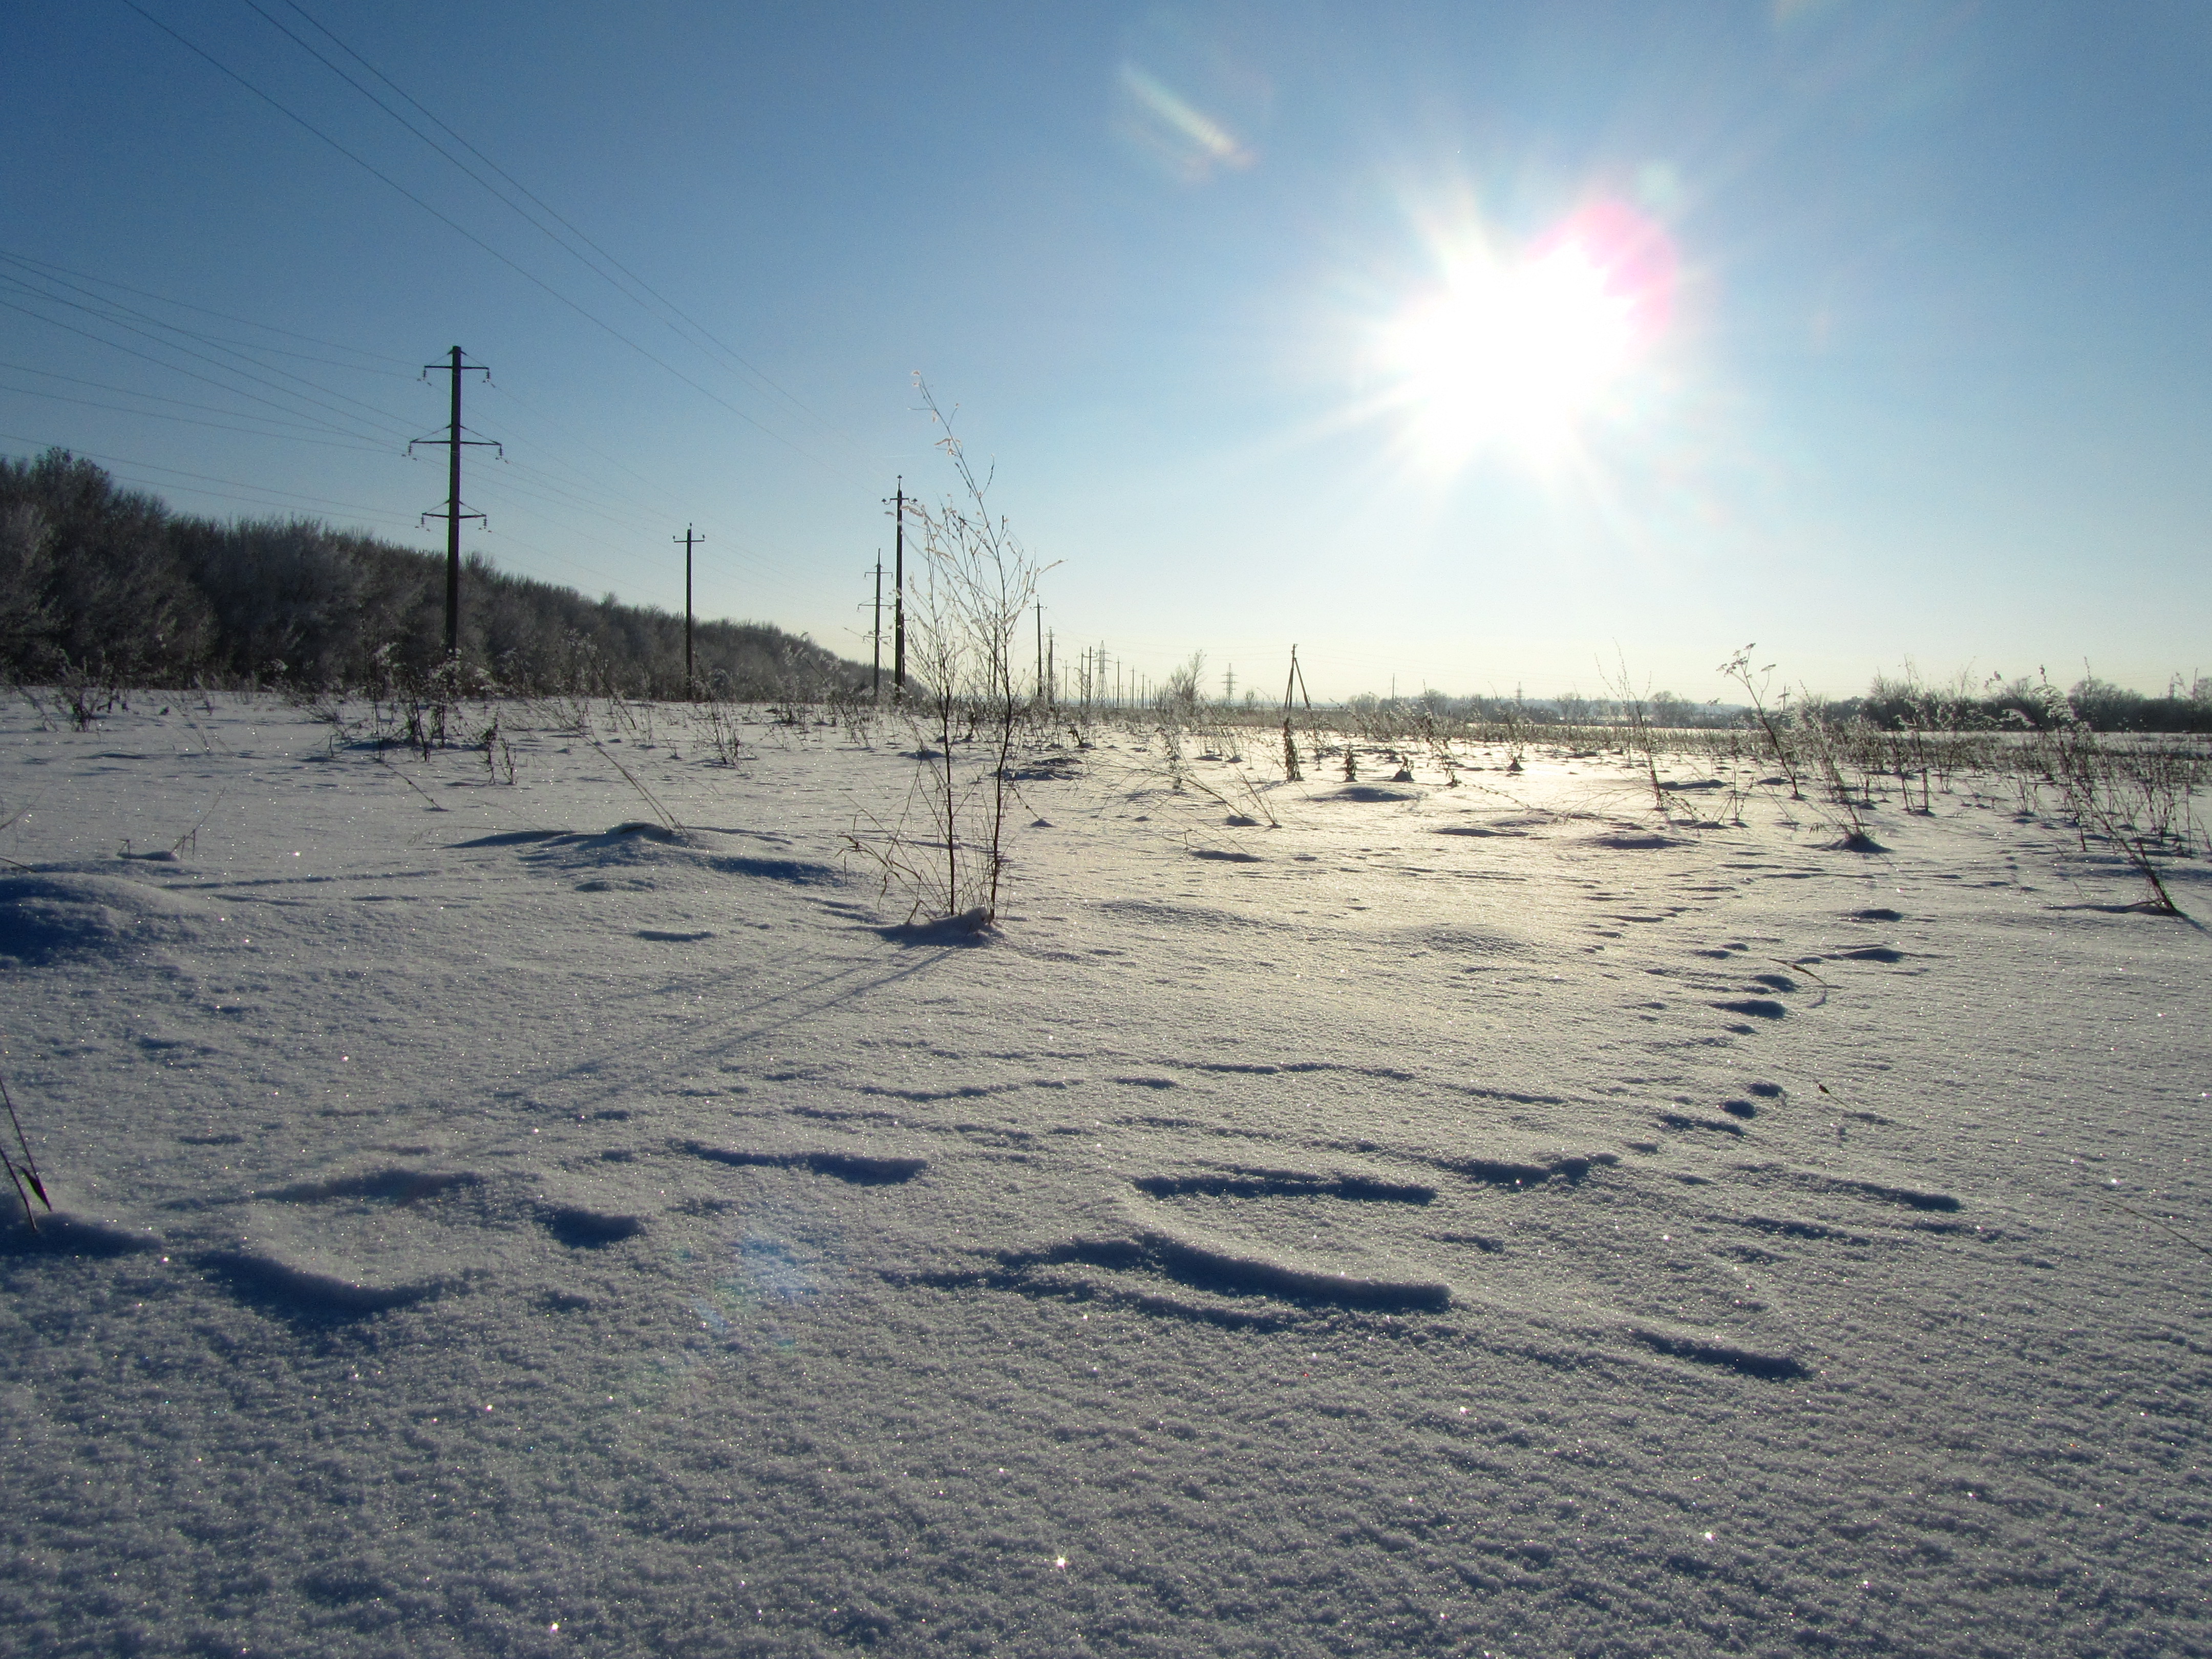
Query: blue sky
point(1915, 361)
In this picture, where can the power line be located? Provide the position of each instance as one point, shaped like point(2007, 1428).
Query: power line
point(162, 415)
point(667, 305)
point(234, 484)
point(554, 421)
point(537, 500)
point(542, 485)
point(113, 307)
point(470, 236)
point(24, 289)
point(581, 499)
point(114, 345)
point(293, 500)
point(186, 305)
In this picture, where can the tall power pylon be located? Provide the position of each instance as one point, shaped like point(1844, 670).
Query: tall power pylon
point(454, 443)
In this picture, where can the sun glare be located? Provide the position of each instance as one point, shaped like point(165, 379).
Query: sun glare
point(1518, 352)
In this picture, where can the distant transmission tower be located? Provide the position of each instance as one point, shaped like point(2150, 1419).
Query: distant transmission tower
point(454, 512)
point(688, 537)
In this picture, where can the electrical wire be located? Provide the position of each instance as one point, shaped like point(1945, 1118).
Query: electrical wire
point(492, 487)
point(234, 484)
point(555, 422)
point(236, 392)
point(546, 483)
point(186, 305)
point(112, 307)
point(667, 305)
point(185, 420)
point(460, 230)
point(540, 488)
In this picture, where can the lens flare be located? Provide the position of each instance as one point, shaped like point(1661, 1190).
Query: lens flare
point(1520, 351)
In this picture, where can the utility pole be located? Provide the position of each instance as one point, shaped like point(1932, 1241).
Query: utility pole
point(1228, 685)
point(1040, 631)
point(453, 514)
point(687, 538)
point(876, 675)
point(898, 505)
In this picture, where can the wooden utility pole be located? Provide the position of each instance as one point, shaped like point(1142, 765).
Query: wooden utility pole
point(454, 512)
point(876, 674)
point(687, 538)
point(1295, 682)
point(898, 504)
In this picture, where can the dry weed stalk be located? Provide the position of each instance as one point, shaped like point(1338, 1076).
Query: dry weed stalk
point(1739, 669)
point(1642, 740)
point(666, 817)
point(23, 1175)
point(964, 628)
point(2142, 810)
point(1828, 743)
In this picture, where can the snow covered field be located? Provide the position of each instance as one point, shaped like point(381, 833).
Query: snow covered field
point(1461, 1220)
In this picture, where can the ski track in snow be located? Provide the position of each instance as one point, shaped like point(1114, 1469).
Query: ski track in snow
point(1462, 1219)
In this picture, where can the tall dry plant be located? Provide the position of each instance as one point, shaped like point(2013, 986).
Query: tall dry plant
point(1643, 743)
point(1739, 669)
point(966, 702)
point(2138, 802)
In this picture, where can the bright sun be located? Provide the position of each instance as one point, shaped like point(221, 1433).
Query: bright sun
point(1519, 353)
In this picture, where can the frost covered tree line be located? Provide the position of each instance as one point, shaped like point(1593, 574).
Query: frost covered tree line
point(104, 586)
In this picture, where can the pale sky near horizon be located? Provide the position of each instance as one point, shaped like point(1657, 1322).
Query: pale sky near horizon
point(1467, 345)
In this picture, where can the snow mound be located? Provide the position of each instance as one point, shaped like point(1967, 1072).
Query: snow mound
point(1371, 792)
point(1208, 1244)
point(861, 1170)
point(1210, 1264)
point(370, 1240)
point(582, 1228)
point(64, 1234)
point(46, 916)
point(1221, 1269)
point(1285, 1184)
point(1702, 1351)
point(644, 846)
point(311, 1293)
point(397, 1186)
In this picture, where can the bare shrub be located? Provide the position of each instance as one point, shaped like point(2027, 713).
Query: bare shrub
point(964, 709)
point(2138, 802)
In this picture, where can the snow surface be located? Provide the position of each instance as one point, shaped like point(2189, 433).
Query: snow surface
point(1461, 1220)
